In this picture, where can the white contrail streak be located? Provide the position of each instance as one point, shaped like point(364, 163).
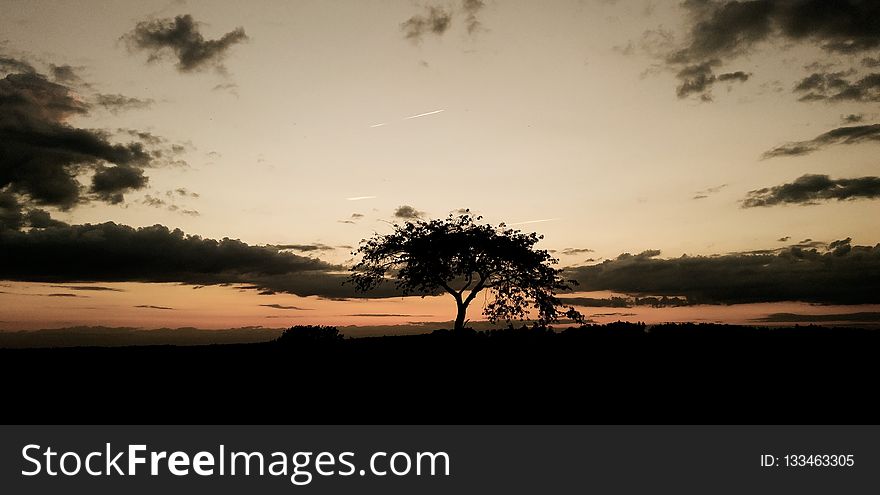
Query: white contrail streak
point(358, 198)
point(534, 221)
point(422, 114)
point(379, 125)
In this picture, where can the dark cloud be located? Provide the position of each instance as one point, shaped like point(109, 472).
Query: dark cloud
point(622, 315)
point(110, 252)
point(30, 96)
point(861, 317)
point(381, 315)
point(55, 294)
point(110, 183)
point(471, 9)
point(853, 118)
point(117, 103)
point(661, 302)
point(88, 288)
point(408, 213)
point(41, 219)
point(824, 276)
point(626, 302)
point(813, 189)
point(593, 302)
point(836, 86)
point(11, 216)
point(146, 137)
point(719, 31)
point(305, 247)
point(64, 74)
point(181, 38)
point(811, 244)
point(871, 63)
point(841, 135)
point(739, 76)
point(357, 216)
point(149, 306)
point(42, 154)
point(646, 254)
point(576, 251)
point(725, 29)
point(9, 64)
point(436, 21)
point(698, 79)
point(784, 239)
point(281, 306)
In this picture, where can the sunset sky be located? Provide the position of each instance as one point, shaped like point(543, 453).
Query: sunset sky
point(743, 135)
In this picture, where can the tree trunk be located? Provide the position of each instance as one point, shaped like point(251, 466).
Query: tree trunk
point(459, 319)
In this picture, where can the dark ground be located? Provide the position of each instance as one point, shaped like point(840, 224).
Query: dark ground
point(615, 374)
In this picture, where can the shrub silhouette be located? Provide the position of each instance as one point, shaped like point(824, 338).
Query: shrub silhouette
point(311, 334)
point(461, 257)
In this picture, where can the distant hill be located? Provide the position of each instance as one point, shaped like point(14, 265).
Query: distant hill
point(124, 336)
point(99, 336)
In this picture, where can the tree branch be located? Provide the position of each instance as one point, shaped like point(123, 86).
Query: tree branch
point(450, 290)
point(470, 278)
point(477, 288)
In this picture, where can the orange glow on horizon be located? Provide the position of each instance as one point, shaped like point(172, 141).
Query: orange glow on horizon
point(30, 306)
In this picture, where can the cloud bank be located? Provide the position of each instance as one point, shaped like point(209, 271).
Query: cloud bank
point(814, 189)
point(109, 252)
point(720, 31)
point(839, 273)
point(42, 154)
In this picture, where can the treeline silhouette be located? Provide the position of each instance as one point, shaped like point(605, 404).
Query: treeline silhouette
point(614, 373)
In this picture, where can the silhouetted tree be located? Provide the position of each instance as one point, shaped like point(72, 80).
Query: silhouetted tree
point(462, 257)
point(310, 334)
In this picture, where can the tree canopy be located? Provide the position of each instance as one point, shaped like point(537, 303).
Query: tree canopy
point(462, 257)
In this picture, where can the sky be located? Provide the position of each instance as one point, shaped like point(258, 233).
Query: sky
point(716, 151)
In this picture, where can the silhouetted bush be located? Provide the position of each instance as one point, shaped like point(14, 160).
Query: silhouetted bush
point(455, 334)
point(310, 334)
point(613, 328)
point(523, 332)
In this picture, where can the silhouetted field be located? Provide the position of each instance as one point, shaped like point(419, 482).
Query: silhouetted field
point(615, 373)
